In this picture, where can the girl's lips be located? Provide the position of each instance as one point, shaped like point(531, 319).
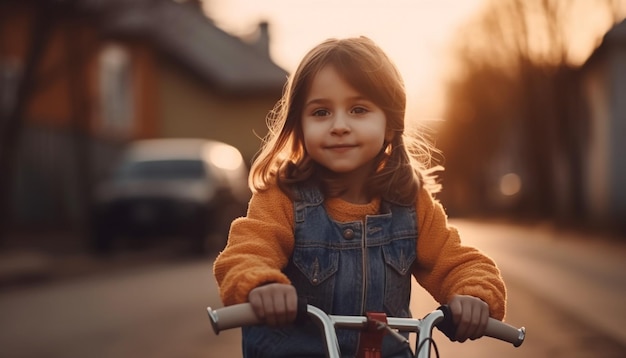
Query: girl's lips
point(340, 148)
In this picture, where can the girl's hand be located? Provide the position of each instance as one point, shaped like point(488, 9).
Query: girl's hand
point(470, 315)
point(275, 304)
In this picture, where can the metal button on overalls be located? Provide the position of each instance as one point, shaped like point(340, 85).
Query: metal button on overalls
point(348, 234)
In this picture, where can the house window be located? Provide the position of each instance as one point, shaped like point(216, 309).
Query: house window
point(116, 94)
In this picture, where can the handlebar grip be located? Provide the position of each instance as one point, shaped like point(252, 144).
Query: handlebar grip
point(495, 329)
point(506, 332)
point(241, 315)
point(232, 317)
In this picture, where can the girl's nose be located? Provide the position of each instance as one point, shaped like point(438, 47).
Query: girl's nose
point(340, 125)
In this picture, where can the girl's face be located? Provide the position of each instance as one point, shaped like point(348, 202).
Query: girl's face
point(343, 131)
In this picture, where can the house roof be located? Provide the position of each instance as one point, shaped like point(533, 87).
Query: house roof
point(617, 33)
point(616, 36)
point(189, 36)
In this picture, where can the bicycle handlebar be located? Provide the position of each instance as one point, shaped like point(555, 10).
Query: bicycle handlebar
point(243, 315)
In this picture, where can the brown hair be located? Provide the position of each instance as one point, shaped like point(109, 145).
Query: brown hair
point(399, 168)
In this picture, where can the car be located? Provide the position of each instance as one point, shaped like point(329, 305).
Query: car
point(176, 187)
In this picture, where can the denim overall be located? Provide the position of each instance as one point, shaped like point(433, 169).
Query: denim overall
point(344, 269)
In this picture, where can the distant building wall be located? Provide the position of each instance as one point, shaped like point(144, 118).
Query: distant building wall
point(604, 92)
point(189, 108)
point(596, 161)
point(618, 128)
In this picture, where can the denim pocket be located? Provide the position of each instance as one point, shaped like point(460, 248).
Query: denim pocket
point(314, 277)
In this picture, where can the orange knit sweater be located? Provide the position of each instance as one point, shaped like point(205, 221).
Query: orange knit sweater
point(260, 245)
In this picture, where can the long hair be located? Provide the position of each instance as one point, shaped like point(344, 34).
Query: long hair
point(401, 166)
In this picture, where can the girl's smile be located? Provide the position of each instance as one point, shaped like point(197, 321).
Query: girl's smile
point(341, 148)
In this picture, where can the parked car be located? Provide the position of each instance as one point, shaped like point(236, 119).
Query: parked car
point(162, 188)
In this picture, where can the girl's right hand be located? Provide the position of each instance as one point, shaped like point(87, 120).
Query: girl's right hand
point(275, 304)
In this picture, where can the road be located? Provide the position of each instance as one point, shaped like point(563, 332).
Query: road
point(159, 309)
point(566, 289)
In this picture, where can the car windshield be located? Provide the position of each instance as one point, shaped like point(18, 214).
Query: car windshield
point(162, 170)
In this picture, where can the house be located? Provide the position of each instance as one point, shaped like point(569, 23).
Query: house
point(79, 79)
point(603, 82)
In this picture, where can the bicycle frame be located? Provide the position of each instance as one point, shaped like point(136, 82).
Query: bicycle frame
point(243, 315)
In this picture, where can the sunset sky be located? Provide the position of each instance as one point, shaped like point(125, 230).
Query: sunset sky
point(413, 32)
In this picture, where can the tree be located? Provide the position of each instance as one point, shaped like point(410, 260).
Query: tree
point(11, 116)
point(517, 73)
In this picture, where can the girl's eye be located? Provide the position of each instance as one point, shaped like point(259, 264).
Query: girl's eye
point(359, 110)
point(321, 113)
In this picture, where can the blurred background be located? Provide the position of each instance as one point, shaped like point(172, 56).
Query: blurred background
point(127, 129)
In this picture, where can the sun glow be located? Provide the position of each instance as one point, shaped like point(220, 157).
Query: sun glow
point(414, 34)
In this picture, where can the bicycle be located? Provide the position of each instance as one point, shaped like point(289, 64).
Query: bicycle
point(373, 327)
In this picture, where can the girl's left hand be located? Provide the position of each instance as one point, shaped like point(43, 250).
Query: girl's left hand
point(470, 315)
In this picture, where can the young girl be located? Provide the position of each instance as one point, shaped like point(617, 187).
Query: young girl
point(342, 215)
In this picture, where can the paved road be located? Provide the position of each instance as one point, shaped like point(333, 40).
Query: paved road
point(585, 276)
point(158, 309)
point(566, 289)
